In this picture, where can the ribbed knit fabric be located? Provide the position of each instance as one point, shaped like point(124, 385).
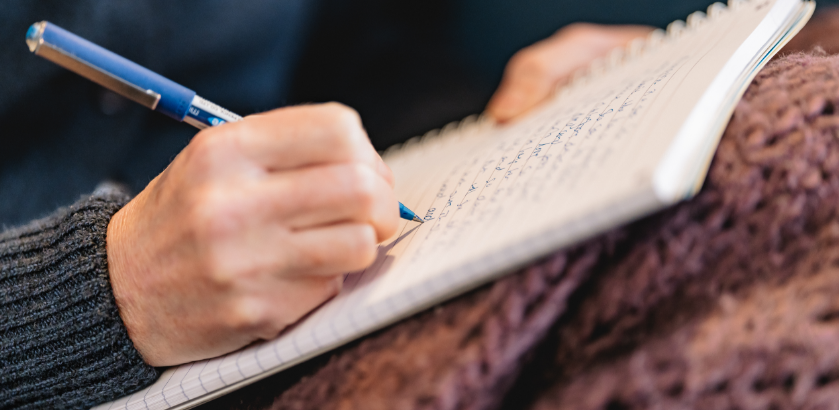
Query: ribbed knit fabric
point(62, 342)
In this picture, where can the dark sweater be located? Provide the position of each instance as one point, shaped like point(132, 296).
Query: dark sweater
point(63, 343)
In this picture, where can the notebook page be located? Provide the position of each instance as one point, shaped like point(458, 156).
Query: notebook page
point(680, 177)
point(589, 156)
point(496, 197)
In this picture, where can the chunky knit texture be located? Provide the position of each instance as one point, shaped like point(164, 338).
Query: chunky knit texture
point(62, 342)
point(729, 300)
point(726, 301)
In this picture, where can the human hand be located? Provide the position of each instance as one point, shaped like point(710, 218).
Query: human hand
point(248, 229)
point(534, 72)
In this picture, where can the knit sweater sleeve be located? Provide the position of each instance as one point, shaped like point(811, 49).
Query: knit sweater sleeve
point(62, 342)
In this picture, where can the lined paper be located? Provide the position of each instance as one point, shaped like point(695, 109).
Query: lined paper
point(494, 198)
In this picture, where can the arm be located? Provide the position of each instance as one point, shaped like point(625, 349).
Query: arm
point(249, 228)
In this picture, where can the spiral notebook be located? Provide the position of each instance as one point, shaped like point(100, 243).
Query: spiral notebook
point(629, 136)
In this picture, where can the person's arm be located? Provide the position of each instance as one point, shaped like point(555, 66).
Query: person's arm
point(62, 342)
point(249, 228)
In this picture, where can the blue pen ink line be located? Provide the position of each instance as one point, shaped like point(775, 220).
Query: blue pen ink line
point(589, 153)
point(551, 138)
point(464, 200)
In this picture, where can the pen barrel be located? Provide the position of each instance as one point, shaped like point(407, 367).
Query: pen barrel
point(169, 98)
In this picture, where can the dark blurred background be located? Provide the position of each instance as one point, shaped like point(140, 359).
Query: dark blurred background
point(411, 66)
point(406, 66)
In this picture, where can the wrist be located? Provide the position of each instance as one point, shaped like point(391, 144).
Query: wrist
point(122, 268)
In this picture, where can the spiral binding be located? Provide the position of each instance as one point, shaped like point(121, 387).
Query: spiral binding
point(453, 128)
point(615, 59)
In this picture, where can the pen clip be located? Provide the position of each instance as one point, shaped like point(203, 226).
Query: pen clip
point(35, 41)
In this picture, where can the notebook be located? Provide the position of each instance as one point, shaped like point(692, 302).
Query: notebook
point(631, 135)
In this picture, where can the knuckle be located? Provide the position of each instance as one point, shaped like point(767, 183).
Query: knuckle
point(213, 213)
point(344, 145)
point(343, 115)
point(389, 226)
point(224, 271)
point(578, 30)
point(539, 63)
point(345, 132)
point(249, 314)
point(218, 276)
point(211, 142)
point(313, 257)
point(530, 62)
point(362, 187)
point(518, 59)
point(211, 222)
point(212, 149)
point(364, 247)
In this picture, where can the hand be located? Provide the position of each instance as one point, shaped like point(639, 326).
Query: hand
point(534, 72)
point(249, 228)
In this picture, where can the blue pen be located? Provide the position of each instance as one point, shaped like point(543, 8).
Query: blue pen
point(133, 81)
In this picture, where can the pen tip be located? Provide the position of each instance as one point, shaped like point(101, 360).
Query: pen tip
point(417, 219)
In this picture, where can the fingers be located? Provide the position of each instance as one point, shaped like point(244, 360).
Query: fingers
point(306, 272)
point(333, 249)
point(384, 171)
point(534, 72)
point(248, 229)
point(265, 315)
point(324, 195)
point(295, 137)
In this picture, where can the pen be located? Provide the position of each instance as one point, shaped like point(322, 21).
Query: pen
point(133, 81)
